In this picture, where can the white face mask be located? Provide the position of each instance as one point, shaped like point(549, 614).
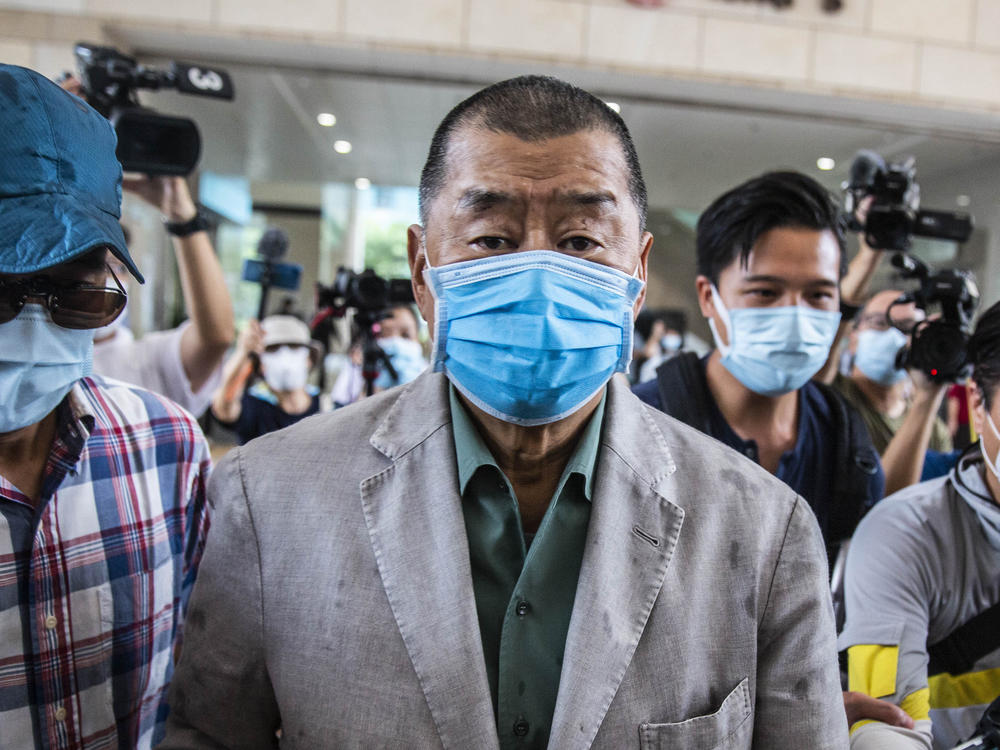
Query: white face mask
point(993, 465)
point(287, 368)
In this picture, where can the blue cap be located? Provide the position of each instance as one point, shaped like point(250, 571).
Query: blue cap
point(60, 182)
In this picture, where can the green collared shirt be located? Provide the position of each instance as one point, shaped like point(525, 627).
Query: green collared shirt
point(524, 588)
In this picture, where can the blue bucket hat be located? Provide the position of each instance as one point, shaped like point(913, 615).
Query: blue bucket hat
point(60, 182)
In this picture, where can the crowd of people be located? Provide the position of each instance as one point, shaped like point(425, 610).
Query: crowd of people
point(497, 540)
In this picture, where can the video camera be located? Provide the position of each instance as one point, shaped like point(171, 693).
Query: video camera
point(148, 142)
point(365, 291)
point(370, 296)
point(938, 347)
point(987, 735)
point(895, 215)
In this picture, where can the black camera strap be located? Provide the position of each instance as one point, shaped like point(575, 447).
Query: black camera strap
point(965, 645)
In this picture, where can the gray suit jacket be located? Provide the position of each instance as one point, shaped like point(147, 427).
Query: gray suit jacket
point(335, 596)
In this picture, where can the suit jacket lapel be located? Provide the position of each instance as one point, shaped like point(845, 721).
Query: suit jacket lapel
point(414, 517)
point(632, 535)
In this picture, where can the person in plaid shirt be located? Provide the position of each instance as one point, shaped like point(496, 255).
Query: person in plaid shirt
point(102, 485)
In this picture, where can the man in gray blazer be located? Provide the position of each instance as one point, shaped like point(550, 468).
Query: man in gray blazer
point(512, 550)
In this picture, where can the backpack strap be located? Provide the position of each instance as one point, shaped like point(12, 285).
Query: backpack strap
point(965, 645)
point(856, 461)
point(683, 390)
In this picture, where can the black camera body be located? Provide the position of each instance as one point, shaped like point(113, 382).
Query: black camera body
point(365, 291)
point(148, 142)
point(938, 347)
point(895, 215)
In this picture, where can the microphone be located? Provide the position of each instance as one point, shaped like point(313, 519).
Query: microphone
point(865, 166)
point(273, 244)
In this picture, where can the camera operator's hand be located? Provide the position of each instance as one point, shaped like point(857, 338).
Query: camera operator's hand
point(251, 340)
point(227, 403)
point(169, 194)
point(69, 82)
point(903, 459)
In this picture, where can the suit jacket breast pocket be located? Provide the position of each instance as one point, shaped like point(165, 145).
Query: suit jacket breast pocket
point(727, 728)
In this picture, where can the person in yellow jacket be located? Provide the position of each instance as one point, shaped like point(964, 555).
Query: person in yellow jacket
point(923, 572)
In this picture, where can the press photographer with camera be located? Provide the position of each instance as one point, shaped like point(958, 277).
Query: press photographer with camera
point(899, 406)
point(899, 395)
point(397, 337)
point(280, 349)
point(923, 584)
point(182, 363)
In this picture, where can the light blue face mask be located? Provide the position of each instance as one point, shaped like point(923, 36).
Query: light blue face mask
point(774, 350)
point(876, 355)
point(407, 360)
point(530, 337)
point(39, 363)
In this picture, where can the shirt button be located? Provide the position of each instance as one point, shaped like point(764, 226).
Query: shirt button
point(521, 727)
point(502, 486)
point(522, 608)
point(51, 622)
point(60, 714)
point(749, 452)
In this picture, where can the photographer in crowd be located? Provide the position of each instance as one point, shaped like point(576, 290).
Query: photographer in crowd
point(281, 350)
point(899, 407)
point(181, 363)
point(512, 550)
point(396, 334)
point(923, 585)
point(102, 484)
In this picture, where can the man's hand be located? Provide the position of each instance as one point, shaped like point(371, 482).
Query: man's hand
point(251, 339)
point(168, 194)
point(859, 706)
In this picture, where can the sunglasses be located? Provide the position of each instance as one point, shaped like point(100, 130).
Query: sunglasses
point(73, 305)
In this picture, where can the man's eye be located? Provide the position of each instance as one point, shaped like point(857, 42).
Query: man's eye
point(761, 293)
point(490, 243)
point(578, 244)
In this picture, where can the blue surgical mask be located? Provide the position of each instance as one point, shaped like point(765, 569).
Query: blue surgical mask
point(39, 363)
point(671, 342)
point(876, 355)
point(407, 360)
point(530, 337)
point(774, 350)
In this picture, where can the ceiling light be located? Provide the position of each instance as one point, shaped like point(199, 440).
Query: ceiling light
point(615, 106)
point(963, 200)
point(825, 163)
point(362, 183)
point(326, 119)
point(342, 147)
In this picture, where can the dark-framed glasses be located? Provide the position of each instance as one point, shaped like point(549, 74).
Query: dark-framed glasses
point(71, 305)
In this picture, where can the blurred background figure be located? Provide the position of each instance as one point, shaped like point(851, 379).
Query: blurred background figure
point(281, 351)
point(899, 406)
point(182, 363)
point(397, 336)
point(659, 336)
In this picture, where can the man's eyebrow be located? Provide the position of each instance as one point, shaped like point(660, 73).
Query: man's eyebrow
point(589, 198)
point(768, 279)
point(477, 199)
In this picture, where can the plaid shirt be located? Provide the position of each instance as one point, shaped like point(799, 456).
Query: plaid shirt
point(94, 581)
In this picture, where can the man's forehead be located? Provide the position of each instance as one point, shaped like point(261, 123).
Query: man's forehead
point(595, 150)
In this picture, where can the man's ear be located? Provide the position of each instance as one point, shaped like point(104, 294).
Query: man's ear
point(643, 272)
point(416, 253)
point(977, 406)
point(703, 288)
